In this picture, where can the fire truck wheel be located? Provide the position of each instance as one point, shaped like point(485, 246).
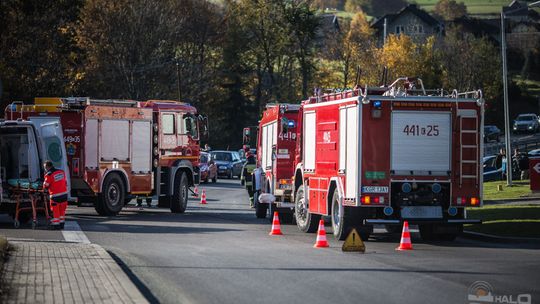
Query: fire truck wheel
point(180, 197)
point(306, 221)
point(260, 209)
point(111, 199)
point(340, 223)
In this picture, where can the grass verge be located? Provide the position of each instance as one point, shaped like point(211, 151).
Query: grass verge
point(506, 220)
point(518, 190)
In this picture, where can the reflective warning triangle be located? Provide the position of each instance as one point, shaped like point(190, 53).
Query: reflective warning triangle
point(353, 243)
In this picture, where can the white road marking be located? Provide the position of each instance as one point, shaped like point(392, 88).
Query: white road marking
point(72, 233)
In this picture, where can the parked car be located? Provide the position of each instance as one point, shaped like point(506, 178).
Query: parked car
point(526, 123)
point(535, 152)
point(491, 171)
point(491, 133)
point(228, 163)
point(208, 168)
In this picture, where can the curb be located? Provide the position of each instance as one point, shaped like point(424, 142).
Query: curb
point(498, 239)
point(3, 246)
point(509, 201)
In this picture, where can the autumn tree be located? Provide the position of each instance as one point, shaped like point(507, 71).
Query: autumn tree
point(450, 9)
point(37, 48)
point(471, 63)
point(354, 6)
point(142, 48)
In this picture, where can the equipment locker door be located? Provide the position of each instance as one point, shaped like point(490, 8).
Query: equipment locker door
point(53, 148)
point(348, 149)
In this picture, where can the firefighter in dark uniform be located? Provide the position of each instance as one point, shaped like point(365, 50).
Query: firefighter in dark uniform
point(56, 184)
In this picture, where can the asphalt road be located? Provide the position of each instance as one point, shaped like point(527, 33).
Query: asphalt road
point(220, 253)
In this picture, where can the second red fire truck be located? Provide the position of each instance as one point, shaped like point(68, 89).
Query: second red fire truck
point(382, 156)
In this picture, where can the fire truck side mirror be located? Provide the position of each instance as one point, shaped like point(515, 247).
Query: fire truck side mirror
point(204, 125)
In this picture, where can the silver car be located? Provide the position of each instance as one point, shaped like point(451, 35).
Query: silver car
point(526, 123)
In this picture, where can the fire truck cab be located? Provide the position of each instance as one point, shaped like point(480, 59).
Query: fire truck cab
point(276, 151)
point(176, 150)
point(381, 157)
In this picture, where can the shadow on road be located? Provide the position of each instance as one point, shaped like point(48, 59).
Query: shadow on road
point(298, 269)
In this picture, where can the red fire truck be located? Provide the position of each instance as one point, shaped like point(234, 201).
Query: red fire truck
point(386, 155)
point(120, 149)
point(276, 152)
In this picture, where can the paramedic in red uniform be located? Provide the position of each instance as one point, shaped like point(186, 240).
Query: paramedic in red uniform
point(56, 183)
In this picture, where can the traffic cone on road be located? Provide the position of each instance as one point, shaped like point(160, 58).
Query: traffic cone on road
point(321, 241)
point(405, 243)
point(276, 227)
point(196, 192)
point(203, 197)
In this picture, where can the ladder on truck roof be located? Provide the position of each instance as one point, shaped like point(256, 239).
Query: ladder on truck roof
point(468, 146)
point(79, 102)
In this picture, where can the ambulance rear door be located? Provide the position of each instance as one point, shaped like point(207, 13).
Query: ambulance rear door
point(53, 148)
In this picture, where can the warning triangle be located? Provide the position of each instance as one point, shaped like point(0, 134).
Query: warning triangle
point(353, 243)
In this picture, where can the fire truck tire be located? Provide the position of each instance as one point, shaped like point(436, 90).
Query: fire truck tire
point(306, 221)
point(111, 200)
point(341, 223)
point(180, 197)
point(260, 209)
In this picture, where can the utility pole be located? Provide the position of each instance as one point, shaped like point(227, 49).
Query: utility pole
point(505, 93)
point(506, 110)
point(385, 31)
point(178, 80)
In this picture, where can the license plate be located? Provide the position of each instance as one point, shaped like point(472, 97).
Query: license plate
point(374, 189)
point(421, 212)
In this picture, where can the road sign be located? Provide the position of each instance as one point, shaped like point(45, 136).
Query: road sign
point(534, 172)
point(353, 243)
point(537, 168)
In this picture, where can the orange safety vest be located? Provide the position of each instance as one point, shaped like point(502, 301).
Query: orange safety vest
point(56, 183)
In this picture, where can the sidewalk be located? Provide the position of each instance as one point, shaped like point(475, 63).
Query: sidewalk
point(63, 272)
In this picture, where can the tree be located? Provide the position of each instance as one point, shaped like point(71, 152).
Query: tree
point(450, 9)
point(354, 6)
point(37, 48)
point(132, 48)
point(361, 44)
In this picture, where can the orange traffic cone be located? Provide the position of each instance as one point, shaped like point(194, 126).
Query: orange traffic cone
point(321, 241)
point(276, 227)
point(405, 243)
point(203, 197)
point(196, 192)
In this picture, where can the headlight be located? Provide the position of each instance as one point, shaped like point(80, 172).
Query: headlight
point(530, 127)
point(515, 127)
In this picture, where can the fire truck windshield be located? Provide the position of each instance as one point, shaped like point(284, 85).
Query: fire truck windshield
point(192, 128)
